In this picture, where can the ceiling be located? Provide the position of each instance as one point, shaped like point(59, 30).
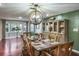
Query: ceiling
point(21, 11)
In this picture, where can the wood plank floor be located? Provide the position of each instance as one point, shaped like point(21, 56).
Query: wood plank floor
point(13, 47)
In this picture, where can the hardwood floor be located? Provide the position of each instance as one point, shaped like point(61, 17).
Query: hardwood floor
point(13, 47)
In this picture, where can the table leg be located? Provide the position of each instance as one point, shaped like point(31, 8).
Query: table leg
point(40, 53)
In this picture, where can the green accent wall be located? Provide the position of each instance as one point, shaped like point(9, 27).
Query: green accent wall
point(73, 18)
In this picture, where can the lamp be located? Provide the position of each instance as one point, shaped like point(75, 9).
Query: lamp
point(35, 15)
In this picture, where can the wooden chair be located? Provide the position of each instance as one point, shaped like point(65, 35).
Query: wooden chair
point(41, 36)
point(24, 48)
point(60, 38)
point(52, 36)
point(62, 49)
point(27, 48)
point(44, 53)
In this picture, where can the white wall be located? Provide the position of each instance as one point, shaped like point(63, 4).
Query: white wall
point(0, 30)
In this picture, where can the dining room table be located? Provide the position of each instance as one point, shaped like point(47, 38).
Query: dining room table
point(41, 45)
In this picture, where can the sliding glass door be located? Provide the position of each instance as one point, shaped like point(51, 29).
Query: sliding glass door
point(15, 28)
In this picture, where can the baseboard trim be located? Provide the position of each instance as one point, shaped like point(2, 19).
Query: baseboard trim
point(76, 51)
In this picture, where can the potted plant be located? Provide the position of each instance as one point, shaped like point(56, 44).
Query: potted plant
point(16, 29)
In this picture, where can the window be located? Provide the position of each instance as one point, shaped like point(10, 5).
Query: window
point(36, 28)
point(12, 27)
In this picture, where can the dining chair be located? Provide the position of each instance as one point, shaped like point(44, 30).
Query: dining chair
point(41, 36)
point(44, 53)
point(64, 49)
point(60, 38)
point(27, 47)
point(52, 36)
point(23, 45)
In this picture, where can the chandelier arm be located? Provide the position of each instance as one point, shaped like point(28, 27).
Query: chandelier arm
point(37, 18)
point(35, 15)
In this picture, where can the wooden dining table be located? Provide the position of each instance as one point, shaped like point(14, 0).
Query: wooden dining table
point(43, 45)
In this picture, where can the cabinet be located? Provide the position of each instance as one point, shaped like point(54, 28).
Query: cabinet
point(59, 28)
